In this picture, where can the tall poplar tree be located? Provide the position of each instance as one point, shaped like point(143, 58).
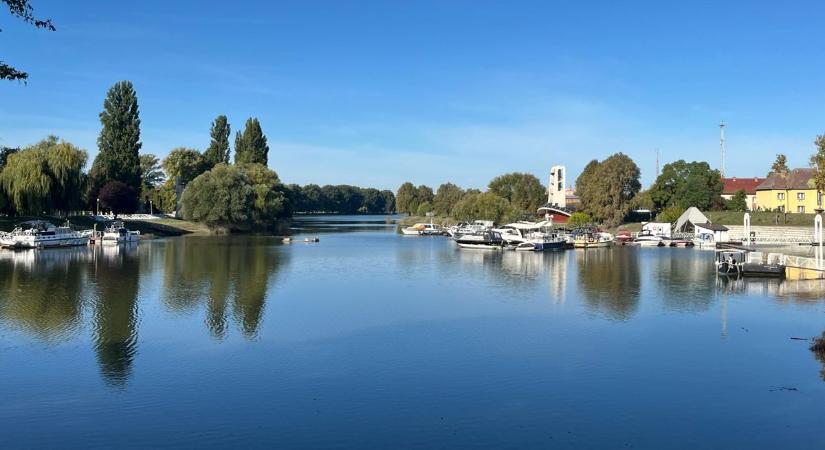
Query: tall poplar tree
point(119, 141)
point(239, 147)
point(218, 150)
point(251, 146)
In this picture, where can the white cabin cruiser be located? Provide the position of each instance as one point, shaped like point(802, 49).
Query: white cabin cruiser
point(648, 239)
point(463, 228)
point(422, 229)
point(40, 234)
point(117, 233)
point(485, 240)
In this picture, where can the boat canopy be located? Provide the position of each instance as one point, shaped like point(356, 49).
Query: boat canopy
point(523, 225)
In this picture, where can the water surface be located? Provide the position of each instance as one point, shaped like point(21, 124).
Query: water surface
point(372, 339)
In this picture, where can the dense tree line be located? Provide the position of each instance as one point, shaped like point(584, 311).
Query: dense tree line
point(508, 197)
point(340, 199)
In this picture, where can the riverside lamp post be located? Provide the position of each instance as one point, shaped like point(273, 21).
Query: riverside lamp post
point(151, 213)
point(98, 206)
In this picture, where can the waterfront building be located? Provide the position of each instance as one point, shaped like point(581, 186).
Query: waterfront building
point(733, 185)
point(793, 192)
point(557, 209)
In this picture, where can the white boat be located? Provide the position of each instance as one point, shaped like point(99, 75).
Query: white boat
point(422, 229)
point(593, 240)
point(542, 243)
point(648, 239)
point(520, 232)
point(40, 234)
point(463, 228)
point(117, 233)
point(485, 240)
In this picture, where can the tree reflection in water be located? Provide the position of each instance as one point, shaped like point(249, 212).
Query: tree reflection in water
point(117, 274)
point(41, 292)
point(218, 273)
point(609, 280)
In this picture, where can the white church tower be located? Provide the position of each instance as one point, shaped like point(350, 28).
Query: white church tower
point(556, 186)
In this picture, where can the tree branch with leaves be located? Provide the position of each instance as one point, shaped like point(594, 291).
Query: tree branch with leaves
point(22, 10)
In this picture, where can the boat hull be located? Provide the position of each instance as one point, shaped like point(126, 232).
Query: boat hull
point(479, 246)
point(579, 244)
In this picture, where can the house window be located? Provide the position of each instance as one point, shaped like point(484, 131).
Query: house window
point(800, 196)
point(781, 208)
point(800, 209)
point(780, 196)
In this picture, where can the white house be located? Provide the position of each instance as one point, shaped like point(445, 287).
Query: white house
point(719, 232)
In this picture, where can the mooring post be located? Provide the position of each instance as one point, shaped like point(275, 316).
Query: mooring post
point(818, 237)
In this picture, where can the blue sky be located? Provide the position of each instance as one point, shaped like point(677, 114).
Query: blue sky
point(377, 93)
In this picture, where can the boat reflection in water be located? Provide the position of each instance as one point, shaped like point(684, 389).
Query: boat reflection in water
point(798, 290)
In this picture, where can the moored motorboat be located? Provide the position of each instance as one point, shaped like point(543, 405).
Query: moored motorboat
point(40, 234)
point(647, 239)
point(117, 233)
point(624, 237)
point(463, 228)
point(485, 240)
point(593, 240)
point(423, 229)
point(736, 262)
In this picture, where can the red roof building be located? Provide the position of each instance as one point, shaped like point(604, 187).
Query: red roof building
point(733, 185)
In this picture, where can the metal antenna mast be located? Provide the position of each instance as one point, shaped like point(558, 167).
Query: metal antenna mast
point(657, 163)
point(722, 147)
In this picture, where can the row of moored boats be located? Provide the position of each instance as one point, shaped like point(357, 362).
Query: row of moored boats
point(519, 236)
point(41, 234)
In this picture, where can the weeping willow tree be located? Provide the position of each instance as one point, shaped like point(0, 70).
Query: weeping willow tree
point(46, 177)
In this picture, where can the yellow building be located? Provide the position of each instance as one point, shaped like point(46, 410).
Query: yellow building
point(793, 192)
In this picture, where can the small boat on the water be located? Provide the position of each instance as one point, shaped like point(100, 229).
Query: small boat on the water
point(593, 240)
point(648, 239)
point(624, 237)
point(423, 229)
point(41, 234)
point(485, 240)
point(735, 262)
point(117, 233)
point(462, 228)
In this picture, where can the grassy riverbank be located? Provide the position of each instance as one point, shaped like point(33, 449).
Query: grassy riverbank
point(438, 220)
point(147, 228)
point(761, 218)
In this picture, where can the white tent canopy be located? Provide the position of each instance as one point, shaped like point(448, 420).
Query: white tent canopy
point(689, 219)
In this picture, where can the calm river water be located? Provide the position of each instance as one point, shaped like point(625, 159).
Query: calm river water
point(370, 339)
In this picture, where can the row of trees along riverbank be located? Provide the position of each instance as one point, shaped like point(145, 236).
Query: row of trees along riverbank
point(48, 178)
